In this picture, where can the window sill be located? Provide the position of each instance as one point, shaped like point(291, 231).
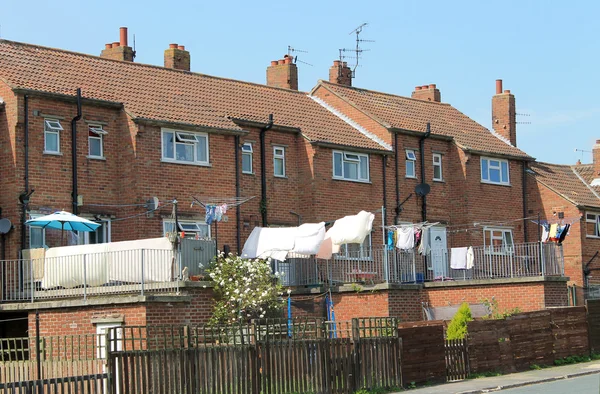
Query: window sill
point(248, 173)
point(496, 183)
point(410, 177)
point(102, 158)
point(352, 180)
point(592, 236)
point(52, 153)
point(280, 176)
point(186, 163)
point(439, 180)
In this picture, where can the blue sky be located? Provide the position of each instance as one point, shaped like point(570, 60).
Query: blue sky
point(546, 52)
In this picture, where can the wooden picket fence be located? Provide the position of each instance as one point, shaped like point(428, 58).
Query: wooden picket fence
point(270, 357)
point(457, 359)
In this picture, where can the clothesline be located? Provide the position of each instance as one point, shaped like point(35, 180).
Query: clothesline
point(421, 225)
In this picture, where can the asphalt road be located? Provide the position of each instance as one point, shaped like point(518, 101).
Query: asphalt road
point(583, 385)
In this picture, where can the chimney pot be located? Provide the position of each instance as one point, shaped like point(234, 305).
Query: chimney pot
point(273, 62)
point(507, 91)
point(498, 86)
point(432, 86)
point(123, 31)
point(425, 87)
point(336, 63)
point(107, 46)
point(597, 142)
point(181, 47)
point(288, 60)
point(418, 88)
point(280, 61)
point(173, 46)
point(115, 44)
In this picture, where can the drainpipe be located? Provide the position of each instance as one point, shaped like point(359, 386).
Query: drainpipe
point(74, 149)
point(525, 237)
point(25, 196)
point(383, 170)
point(237, 193)
point(397, 217)
point(263, 172)
point(422, 149)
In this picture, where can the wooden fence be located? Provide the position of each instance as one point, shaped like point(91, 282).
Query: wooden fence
point(457, 359)
point(276, 357)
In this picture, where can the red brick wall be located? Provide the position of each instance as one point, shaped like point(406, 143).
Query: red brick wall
point(195, 312)
point(406, 304)
point(365, 304)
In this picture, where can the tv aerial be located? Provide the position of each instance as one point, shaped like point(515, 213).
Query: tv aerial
point(358, 50)
point(292, 50)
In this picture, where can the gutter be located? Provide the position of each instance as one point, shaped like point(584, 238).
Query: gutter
point(74, 150)
point(422, 151)
point(68, 98)
point(189, 126)
point(24, 197)
point(333, 145)
point(263, 171)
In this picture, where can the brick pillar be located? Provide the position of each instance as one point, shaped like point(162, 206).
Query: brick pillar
point(283, 73)
point(427, 93)
point(596, 155)
point(119, 50)
point(340, 73)
point(504, 116)
point(177, 57)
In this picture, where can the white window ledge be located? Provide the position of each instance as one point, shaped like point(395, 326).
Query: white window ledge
point(186, 163)
point(52, 153)
point(96, 157)
point(496, 183)
point(351, 180)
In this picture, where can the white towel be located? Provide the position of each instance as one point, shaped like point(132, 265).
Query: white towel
point(470, 258)
point(273, 242)
point(406, 238)
point(458, 258)
point(352, 229)
point(309, 238)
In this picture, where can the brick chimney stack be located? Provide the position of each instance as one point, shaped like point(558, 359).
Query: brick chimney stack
point(119, 50)
point(427, 93)
point(596, 156)
point(283, 73)
point(340, 73)
point(177, 57)
point(504, 116)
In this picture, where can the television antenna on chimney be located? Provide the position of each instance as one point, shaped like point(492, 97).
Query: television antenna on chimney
point(291, 51)
point(133, 47)
point(518, 114)
point(357, 50)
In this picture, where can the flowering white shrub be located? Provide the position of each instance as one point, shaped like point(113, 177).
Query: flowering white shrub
point(245, 288)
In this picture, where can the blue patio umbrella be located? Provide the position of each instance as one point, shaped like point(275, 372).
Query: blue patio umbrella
point(63, 220)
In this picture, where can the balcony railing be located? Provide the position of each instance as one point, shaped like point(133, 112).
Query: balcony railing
point(380, 264)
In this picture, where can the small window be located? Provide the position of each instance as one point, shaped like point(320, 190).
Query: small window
point(495, 171)
point(99, 236)
point(498, 241)
point(96, 141)
point(184, 147)
point(247, 158)
point(37, 235)
point(592, 225)
point(279, 161)
point(351, 166)
point(411, 160)
point(437, 167)
point(192, 229)
point(52, 129)
point(356, 251)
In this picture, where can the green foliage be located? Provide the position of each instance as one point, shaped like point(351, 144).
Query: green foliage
point(575, 359)
point(457, 329)
point(378, 390)
point(484, 374)
point(245, 289)
point(495, 312)
point(357, 288)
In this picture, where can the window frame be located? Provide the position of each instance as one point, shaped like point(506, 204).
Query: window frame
point(596, 226)
point(42, 230)
point(105, 227)
point(279, 156)
point(439, 156)
point(183, 140)
point(54, 129)
point(411, 157)
point(170, 224)
point(99, 135)
point(247, 153)
point(505, 249)
point(345, 157)
point(499, 168)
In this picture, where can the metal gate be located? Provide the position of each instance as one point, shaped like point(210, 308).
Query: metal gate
point(197, 255)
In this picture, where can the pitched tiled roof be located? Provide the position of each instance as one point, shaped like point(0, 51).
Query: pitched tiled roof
point(568, 181)
point(162, 94)
point(412, 114)
point(587, 173)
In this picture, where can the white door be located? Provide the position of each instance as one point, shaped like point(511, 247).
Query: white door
point(439, 252)
point(101, 330)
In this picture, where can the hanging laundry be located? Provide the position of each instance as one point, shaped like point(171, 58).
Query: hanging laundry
point(424, 246)
point(564, 233)
point(224, 209)
point(390, 240)
point(418, 232)
point(553, 230)
point(218, 213)
point(458, 258)
point(470, 258)
point(406, 238)
point(309, 238)
point(545, 232)
point(352, 229)
point(266, 242)
point(208, 218)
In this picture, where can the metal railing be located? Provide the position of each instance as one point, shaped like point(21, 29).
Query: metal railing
point(115, 272)
point(380, 264)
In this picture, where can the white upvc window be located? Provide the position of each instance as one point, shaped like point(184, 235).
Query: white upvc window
point(247, 152)
point(96, 141)
point(52, 129)
point(192, 229)
point(437, 167)
point(356, 251)
point(498, 241)
point(411, 160)
point(37, 235)
point(350, 166)
point(592, 228)
point(101, 235)
point(184, 147)
point(279, 161)
point(495, 171)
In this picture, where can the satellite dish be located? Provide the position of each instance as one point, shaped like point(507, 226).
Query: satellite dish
point(422, 189)
point(5, 226)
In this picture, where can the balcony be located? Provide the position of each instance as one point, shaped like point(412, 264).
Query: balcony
point(382, 265)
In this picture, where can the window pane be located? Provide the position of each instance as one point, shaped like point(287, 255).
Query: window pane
point(494, 163)
point(504, 172)
point(168, 227)
point(95, 146)
point(484, 170)
point(247, 147)
point(437, 172)
point(185, 152)
point(337, 164)
point(51, 142)
point(410, 168)
point(36, 237)
point(364, 167)
point(201, 149)
point(494, 175)
point(246, 162)
point(350, 170)
point(278, 167)
point(168, 148)
point(508, 238)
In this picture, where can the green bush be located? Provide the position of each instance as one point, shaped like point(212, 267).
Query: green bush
point(457, 329)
